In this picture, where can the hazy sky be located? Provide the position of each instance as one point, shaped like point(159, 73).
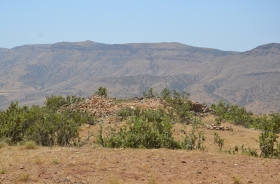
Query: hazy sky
point(236, 25)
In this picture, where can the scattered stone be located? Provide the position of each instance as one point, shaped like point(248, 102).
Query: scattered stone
point(198, 172)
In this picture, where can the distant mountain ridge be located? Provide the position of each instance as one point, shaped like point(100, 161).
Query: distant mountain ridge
point(31, 72)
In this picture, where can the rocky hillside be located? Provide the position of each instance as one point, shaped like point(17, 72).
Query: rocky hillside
point(29, 73)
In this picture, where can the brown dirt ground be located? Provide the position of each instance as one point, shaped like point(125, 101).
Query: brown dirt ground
point(92, 164)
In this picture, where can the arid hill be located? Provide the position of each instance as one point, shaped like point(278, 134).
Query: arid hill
point(29, 73)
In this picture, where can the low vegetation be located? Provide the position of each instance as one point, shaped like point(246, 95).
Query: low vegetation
point(150, 129)
point(55, 124)
point(269, 124)
point(45, 126)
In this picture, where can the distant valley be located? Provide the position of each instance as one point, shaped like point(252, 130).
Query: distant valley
point(29, 73)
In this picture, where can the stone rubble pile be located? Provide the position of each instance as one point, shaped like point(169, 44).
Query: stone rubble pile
point(216, 127)
point(201, 109)
point(103, 107)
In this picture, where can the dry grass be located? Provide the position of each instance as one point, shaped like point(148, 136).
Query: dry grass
point(30, 145)
point(3, 144)
point(24, 177)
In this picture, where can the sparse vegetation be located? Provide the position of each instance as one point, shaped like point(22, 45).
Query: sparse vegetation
point(236, 179)
point(194, 139)
point(150, 94)
point(51, 125)
point(152, 180)
point(30, 145)
point(219, 141)
point(2, 144)
point(3, 171)
point(38, 161)
point(248, 151)
point(179, 103)
point(24, 177)
point(269, 124)
point(55, 161)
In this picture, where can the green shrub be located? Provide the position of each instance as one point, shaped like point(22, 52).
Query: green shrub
point(165, 93)
point(219, 141)
point(3, 171)
point(150, 94)
point(43, 125)
point(55, 161)
point(248, 151)
point(55, 102)
point(236, 179)
point(180, 104)
point(101, 92)
point(72, 99)
point(232, 113)
point(14, 122)
point(126, 112)
point(152, 129)
point(194, 139)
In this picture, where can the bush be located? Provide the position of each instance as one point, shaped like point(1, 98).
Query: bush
point(55, 102)
point(150, 129)
point(193, 140)
point(30, 145)
point(43, 125)
point(270, 148)
point(101, 92)
point(248, 151)
point(232, 113)
point(180, 104)
point(150, 94)
point(219, 141)
point(126, 112)
point(139, 132)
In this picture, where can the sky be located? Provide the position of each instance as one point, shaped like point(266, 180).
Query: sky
point(233, 25)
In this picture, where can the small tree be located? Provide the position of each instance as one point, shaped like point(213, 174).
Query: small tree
point(149, 94)
point(101, 92)
point(165, 93)
point(194, 139)
point(219, 141)
point(268, 139)
point(55, 102)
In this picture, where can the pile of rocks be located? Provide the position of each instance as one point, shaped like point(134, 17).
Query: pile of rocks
point(216, 127)
point(201, 109)
point(102, 107)
point(97, 106)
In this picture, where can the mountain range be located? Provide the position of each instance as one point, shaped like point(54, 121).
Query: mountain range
point(29, 73)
